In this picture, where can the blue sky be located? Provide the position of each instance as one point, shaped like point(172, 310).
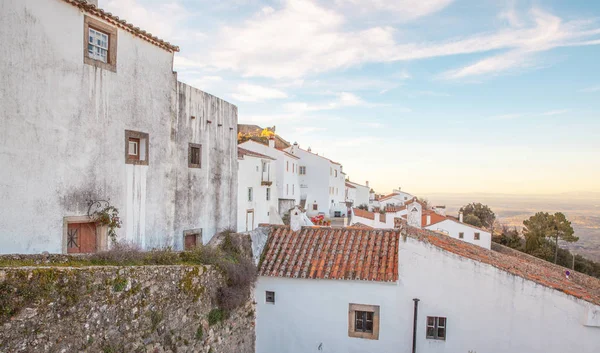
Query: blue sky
point(430, 95)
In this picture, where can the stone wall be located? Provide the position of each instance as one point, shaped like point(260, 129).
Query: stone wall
point(119, 309)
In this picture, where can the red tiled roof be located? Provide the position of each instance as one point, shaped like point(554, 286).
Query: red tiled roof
point(363, 214)
point(383, 198)
point(357, 254)
point(350, 185)
point(331, 253)
point(435, 218)
point(360, 225)
point(244, 152)
point(394, 209)
point(115, 20)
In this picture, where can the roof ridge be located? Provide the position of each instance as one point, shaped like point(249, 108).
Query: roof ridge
point(115, 20)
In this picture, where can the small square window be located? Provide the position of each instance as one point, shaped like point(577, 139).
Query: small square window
point(461, 235)
point(136, 147)
point(270, 297)
point(363, 321)
point(477, 236)
point(194, 155)
point(315, 207)
point(436, 328)
point(302, 170)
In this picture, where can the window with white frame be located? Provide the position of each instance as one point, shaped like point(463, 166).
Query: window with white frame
point(100, 48)
point(98, 45)
point(268, 194)
point(249, 194)
point(436, 327)
point(136, 147)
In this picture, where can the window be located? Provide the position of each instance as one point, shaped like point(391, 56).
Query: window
point(249, 194)
point(330, 171)
point(461, 235)
point(302, 170)
point(293, 167)
point(477, 236)
point(100, 44)
point(270, 297)
point(335, 173)
point(315, 207)
point(287, 166)
point(293, 189)
point(194, 155)
point(363, 321)
point(287, 189)
point(133, 151)
point(268, 194)
point(136, 147)
point(436, 328)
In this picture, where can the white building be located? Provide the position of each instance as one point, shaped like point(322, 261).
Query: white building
point(456, 229)
point(286, 173)
point(396, 198)
point(322, 183)
point(257, 193)
point(381, 287)
point(87, 124)
point(357, 194)
point(416, 215)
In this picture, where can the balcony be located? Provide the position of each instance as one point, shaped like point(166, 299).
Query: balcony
point(266, 179)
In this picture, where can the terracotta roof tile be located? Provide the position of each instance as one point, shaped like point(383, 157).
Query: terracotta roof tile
point(363, 214)
point(115, 20)
point(365, 254)
point(332, 253)
point(360, 225)
point(348, 185)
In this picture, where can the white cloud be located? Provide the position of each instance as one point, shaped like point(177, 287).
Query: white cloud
point(529, 115)
point(254, 93)
point(302, 37)
point(590, 89)
point(402, 9)
point(344, 99)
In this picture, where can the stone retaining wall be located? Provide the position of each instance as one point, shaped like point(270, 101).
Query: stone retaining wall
point(119, 309)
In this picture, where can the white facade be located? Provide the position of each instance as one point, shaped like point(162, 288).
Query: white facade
point(322, 182)
point(487, 310)
point(63, 142)
point(462, 231)
point(397, 198)
point(358, 194)
point(257, 192)
point(286, 173)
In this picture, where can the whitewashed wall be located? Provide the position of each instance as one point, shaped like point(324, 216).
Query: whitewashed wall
point(62, 131)
point(288, 185)
point(250, 176)
point(452, 228)
point(316, 180)
point(488, 311)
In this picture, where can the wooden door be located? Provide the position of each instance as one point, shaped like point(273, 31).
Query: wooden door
point(81, 238)
point(191, 241)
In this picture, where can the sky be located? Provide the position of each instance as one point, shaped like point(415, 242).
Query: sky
point(455, 96)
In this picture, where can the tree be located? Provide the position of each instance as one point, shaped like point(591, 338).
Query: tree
point(472, 220)
point(425, 202)
point(509, 237)
point(363, 207)
point(483, 213)
point(542, 226)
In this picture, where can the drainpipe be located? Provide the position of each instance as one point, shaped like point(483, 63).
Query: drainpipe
point(414, 344)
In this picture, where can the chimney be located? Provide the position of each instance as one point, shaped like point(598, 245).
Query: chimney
point(428, 221)
point(367, 183)
point(460, 217)
point(309, 149)
point(296, 221)
point(271, 142)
